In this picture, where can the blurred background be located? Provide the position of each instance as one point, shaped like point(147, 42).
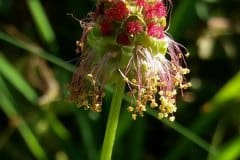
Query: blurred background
point(37, 60)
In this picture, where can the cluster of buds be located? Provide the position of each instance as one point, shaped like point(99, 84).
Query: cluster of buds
point(127, 39)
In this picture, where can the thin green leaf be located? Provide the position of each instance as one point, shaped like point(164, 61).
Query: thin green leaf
point(227, 93)
point(217, 137)
point(10, 110)
point(63, 135)
point(42, 23)
point(15, 78)
point(86, 134)
point(186, 8)
point(230, 151)
point(32, 48)
point(186, 133)
point(137, 140)
point(124, 125)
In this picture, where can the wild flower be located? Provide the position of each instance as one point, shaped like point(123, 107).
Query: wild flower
point(127, 39)
point(155, 30)
point(134, 27)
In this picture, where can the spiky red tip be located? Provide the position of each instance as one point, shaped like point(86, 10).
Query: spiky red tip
point(134, 27)
point(156, 10)
point(155, 30)
point(117, 12)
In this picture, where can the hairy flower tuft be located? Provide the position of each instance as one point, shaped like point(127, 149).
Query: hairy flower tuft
point(155, 81)
point(127, 40)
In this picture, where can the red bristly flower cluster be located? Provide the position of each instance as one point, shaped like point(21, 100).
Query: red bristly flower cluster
point(156, 10)
point(127, 37)
point(155, 30)
point(134, 27)
point(152, 11)
point(117, 13)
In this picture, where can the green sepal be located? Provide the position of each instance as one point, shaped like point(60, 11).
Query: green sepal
point(98, 42)
point(158, 45)
point(121, 62)
point(155, 45)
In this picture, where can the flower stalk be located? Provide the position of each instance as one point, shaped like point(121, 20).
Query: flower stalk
point(126, 42)
point(112, 121)
point(128, 39)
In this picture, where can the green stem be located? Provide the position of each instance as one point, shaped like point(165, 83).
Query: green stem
point(112, 121)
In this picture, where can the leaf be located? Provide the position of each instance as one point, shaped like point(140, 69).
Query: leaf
point(43, 25)
point(32, 48)
point(10, 110)
point(231, 150)
point(228, 93)
point(15, 78)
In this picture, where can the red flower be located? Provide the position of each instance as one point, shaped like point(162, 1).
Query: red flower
point(141, 3)
point(160, 9)
point(156, 10)
point(134, 27)
point(155, 30)
point(117, 12)
point(106, 28)
point(123, 39)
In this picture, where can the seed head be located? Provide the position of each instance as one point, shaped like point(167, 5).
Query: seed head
point(126, 39)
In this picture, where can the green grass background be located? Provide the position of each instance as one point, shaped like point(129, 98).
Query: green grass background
point(37, 59)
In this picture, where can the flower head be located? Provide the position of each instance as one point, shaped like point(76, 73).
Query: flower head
point(154, 30)
point(141, 3)
point(156, 10)
point(128, 41)
point(134, 27)
point(160, 9)
point(117, 12)
point(155, 81)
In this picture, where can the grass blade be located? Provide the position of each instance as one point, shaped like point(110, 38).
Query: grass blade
point(137, 140)
point(227, 93)
point(63, 135)
point(231, 151)
point(32, 48)
point(10, 110)
point(178, 23)
point(15, 78)
point(42, 23)
point(186, 133)
point(86, 134)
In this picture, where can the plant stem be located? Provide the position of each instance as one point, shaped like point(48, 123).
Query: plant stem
point(112, 121)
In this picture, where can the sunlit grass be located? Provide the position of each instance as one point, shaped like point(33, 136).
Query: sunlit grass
point(86, 138)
